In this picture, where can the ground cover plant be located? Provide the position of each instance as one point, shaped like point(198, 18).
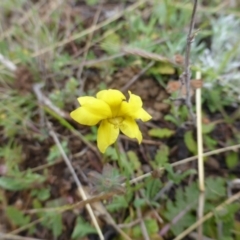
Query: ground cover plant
point(61, 179)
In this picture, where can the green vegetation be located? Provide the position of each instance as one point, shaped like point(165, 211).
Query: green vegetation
point(66, 49)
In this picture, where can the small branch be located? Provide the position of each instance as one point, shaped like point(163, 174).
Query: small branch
point(201, 203)
point(7, 63)
point(23, 228)
point(186, 160)
point(15, 237)
point(129, 225)
point(148, 55)
point(136, 77)
point(187, 74)
point(42, 99)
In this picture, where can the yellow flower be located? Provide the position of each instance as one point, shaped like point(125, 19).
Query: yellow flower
point(114, 113)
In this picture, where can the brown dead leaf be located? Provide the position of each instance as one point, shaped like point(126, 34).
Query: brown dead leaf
point(174, 86)
point(179, 59)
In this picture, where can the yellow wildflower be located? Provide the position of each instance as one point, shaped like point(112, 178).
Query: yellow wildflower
point(114, 113)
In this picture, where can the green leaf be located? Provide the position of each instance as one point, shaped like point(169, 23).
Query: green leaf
point(151, 226)
point(161, 132)
point(232, 160)
point(208, 128)
point(172, 119)
point(57, 225)
point(60, 62)
point(183, 198)
point(111, 43)
point(163, 68)
point(53, 221)
point(42, 194)
point(153, 186)
point(11, 184)
point(119, 202)
point(190, 142)
point(139, 202)
point(236, 228)
point(81, 229)
point(16, 216)
point(209, 142)
point(226, 216)
point(133, 159)
point(215, 188)
point(21, 182)
point(177, 177)
point(111, 153)
point(227, 213)
point(161, 157)
point(92, 2)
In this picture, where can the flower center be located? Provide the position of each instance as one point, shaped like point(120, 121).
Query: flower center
point(116, 121)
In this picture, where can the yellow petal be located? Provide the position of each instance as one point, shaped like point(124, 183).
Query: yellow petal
point(133, 110)
point(83, 116)
point(141, 114)
point(134, 100)
point(112, 97)
point(107, 135)
point(130, 128)
point(95, 105)
point(91, 108)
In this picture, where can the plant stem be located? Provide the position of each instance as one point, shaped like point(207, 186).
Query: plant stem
point(187, 74)
point(199, 136)
point(118, 155)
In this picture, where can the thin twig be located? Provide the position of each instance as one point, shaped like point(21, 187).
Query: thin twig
point(145, 141)
point(207, 216)
point(129, 225)
point(186, 160)
point(7, 63)
point(201, 203)
point(148, 55)
point(135, 78)
point(42, 99)
point(163, 190)
point(23, 228)
point(187, 75)
point(15, 237)
point(77, 181)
